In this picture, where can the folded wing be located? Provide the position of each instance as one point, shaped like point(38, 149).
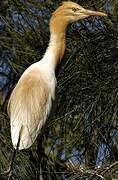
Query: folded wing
point(28, 108)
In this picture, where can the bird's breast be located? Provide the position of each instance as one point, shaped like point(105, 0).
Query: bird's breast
point(40, 70)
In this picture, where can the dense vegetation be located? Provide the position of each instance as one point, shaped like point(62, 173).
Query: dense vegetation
point(80, 137)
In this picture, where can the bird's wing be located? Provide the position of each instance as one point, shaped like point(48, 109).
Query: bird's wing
point(28, 108)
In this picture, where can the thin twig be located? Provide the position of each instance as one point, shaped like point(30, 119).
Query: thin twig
point(110, 167)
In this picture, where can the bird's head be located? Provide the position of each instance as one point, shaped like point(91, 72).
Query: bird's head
point(70, 12)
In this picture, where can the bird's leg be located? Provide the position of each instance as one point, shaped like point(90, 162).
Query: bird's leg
point(40, 150)
point(13, 156)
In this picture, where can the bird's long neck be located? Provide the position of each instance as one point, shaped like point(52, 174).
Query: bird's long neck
point(56, 48)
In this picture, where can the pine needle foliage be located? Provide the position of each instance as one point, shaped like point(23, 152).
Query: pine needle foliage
point(79, 140)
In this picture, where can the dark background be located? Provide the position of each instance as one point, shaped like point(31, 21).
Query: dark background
point(80, 138)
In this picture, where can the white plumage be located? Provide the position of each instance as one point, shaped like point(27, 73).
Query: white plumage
point(30, 104)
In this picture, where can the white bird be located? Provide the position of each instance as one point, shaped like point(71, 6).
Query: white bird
point(31, 100)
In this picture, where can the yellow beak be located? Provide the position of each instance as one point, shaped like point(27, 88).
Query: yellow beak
point(92, 13)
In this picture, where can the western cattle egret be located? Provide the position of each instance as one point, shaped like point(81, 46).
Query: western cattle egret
point(31, 99)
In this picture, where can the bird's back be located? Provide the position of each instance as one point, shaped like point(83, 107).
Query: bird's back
point(29, 106)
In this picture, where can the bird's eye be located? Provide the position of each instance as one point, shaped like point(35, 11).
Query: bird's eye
point(74, 9)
